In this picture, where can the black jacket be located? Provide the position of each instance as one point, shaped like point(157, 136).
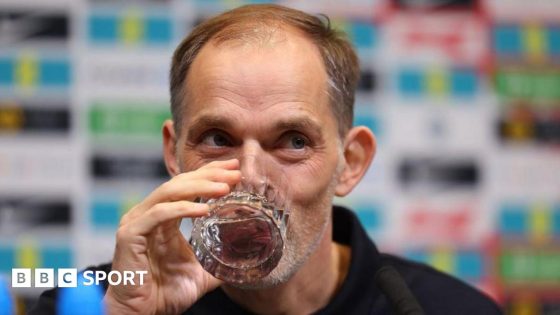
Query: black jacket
point(436, 292)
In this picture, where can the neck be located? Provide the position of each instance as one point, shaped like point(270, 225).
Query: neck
point(310, 289)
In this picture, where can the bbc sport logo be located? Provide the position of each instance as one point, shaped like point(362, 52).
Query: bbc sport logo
point(69, 277)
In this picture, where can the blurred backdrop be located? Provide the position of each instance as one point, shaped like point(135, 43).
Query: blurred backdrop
point(463, 95)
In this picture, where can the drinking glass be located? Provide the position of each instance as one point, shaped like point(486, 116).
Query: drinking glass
point(243, 237)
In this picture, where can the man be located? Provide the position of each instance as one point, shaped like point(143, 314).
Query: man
point(276, 85)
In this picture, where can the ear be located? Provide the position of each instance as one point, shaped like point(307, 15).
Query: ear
point(169, 148)
point(359, 149)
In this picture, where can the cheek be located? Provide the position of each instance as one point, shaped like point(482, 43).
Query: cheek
point(310, 181)
point(189, 161)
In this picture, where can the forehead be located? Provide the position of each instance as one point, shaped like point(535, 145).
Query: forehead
point(284, 73)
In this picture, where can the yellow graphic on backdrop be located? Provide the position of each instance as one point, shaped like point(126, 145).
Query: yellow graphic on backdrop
point(443, 260)
point(535, 42)
point(27, 256)
point(437, 82)
point(131, 27)
point(27, 71)
point(540, 228)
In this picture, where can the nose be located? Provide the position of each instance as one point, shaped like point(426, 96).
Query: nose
point(254, 175)
point(261, 174)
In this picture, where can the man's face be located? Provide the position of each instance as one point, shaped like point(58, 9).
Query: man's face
point(267, 105)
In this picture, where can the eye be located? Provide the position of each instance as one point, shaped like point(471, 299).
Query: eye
point(298, 142)
point(215, 139)
point(294, 141)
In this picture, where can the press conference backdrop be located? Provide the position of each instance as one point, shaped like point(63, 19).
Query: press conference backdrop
point(463, 96)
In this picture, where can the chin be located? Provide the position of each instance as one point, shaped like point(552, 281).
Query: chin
point(285, 270)
point(293, 259)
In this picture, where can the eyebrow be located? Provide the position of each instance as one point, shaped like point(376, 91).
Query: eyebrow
point(298, 123)
point(206, 122)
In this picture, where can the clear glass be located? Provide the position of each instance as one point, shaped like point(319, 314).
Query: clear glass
point(243, 238)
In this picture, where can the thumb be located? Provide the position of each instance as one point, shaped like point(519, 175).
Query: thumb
point(211, 282)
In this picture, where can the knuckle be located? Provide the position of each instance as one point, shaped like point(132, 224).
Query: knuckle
point(233, 175)
point(156, 209)
point(212, 163)
point(129, 215)
point(124, 220)
point(204, 172)
point(184, 205)
point(123, 234)
point(167, 187)
point(126, 217)
point(182, 176)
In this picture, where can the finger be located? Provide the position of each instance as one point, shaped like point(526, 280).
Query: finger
point(188, 186)
point(218, 171)
point(231, 164)
point(182, 189)
point(164, 212)
point(176, 191)
point(213, 174)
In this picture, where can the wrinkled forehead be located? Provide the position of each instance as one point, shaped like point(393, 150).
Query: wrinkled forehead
point(274, 67)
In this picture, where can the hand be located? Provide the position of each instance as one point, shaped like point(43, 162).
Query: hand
point(148, 238)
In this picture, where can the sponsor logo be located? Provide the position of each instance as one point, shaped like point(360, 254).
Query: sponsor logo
point(15, 118)
point(457, 82)
point(526, 42)
point(530, 266)
point(446, 37)
point(131, 27)
point(466, 264)
point(522, 125)
point(30, 71)
point(119, 167)
point(430, 224)
point(30, 254)
point(438, 173)
point(127, 119)
point(19, 26)
point(21, 214)
point(531, 301)
point(532, 85)
point(537, 221)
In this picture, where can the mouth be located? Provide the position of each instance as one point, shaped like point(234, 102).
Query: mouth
point(250, 237)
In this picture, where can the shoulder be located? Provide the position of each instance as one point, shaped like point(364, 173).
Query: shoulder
point(439, 293)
